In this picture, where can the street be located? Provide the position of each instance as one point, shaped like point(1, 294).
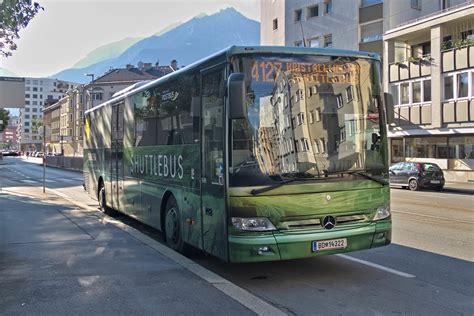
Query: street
point(426, 270)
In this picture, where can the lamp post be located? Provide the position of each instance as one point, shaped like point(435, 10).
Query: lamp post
point(91, 89)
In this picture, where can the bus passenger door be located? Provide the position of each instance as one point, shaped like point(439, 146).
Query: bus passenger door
point(213, 210)
point(117, 154)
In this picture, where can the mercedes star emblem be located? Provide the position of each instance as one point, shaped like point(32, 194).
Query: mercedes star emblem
point(329, 222)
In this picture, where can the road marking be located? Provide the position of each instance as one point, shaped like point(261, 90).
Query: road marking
point(435, 217)
point(377, 266)
point(247, 299)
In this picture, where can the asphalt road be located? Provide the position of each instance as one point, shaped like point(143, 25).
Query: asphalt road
point(428, 268)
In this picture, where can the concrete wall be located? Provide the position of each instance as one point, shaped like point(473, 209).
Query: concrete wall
point(270, 10)
point(342, 23)
point(73, 163)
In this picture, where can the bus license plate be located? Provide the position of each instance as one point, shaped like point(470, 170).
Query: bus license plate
point(435, 181)
point(319, 245)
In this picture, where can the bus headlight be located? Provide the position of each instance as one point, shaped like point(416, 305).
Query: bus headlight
point(382, 212)
point(255, 224)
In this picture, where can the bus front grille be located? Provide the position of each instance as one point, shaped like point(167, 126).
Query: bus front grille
point(315, 223)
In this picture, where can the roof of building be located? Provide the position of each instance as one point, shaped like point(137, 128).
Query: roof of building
point(133, 74)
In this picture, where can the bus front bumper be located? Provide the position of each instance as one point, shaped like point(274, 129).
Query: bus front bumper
point(284, 246)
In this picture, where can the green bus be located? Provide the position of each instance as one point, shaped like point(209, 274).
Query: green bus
point(252, 154)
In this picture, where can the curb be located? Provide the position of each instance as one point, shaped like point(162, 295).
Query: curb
point(247, 299)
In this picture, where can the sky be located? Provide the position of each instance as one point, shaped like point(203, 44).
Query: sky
point(67, 30)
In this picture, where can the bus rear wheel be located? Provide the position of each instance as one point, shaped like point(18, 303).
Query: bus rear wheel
point(172, 226)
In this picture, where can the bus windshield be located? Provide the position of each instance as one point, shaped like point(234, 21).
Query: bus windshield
point(308, 116)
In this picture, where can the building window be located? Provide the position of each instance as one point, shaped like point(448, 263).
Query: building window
point(416, 92)
point(35, 110)
point(427, 90)
point(311, 117)
point(342, 134)
point(314, 42)
point(322, 145)
point(27, 95)
point(340, 101)
point(35, 96)
point(366, 3)
point(304, 144)
point(27, 109)
point(318, 114)
point(394, 91)
point(27, 123)
point(300, 118)
point(445, 4)
point(405, 93)
point(317, 150)
point(275, 24)
point(328, 40)
point(426, 147)
point(298, 15)
point(349, 94)
point(461, 147)
point(312, 12)
point(416, 4)
point(463, 85)
point(448, 88)
point(327, 6)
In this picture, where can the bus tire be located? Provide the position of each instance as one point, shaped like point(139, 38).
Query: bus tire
point(172, 233)
point(102, 198)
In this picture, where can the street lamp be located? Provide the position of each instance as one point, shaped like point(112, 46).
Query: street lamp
point(91, 89)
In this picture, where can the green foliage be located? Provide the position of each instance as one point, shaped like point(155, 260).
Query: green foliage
point(35, 125)
point(14, 16)
point(4, 117)
point(460, 43)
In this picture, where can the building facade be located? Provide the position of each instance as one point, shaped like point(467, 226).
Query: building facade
point(344, 24)
point(39, 92)
point(429, 69)
point(8, 138)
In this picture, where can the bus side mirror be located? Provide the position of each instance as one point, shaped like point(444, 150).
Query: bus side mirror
point(389, 108)
point(236, 95)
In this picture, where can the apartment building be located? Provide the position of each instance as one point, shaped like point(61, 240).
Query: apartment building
point(343, 24)
point(38, 93)
point(429, 69)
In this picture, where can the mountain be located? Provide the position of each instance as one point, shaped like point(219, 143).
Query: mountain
point(167, 28)
point(188, 42)
point(105, 52)
point(7, 73)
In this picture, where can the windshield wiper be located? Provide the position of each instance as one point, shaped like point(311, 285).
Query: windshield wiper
point(279, 184)
point(361, 173)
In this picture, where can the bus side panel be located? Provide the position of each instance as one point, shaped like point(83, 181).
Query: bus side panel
point(162, 170)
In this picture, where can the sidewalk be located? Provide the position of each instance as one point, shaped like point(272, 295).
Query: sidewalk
point(58, 259)
point(459, 187)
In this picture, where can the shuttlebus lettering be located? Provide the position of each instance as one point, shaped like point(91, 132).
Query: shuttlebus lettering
point(170, 166)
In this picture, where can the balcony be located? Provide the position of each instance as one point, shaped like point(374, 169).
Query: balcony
point(410, 69)
point(461, 56)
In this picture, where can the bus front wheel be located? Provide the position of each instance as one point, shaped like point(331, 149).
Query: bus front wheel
point(173, 226)
point(102, 199)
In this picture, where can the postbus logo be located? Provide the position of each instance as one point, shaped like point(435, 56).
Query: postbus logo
point(170, 96)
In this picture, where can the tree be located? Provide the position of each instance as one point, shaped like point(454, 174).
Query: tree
point(14, 16)
point(4, 117)
point(35, 125)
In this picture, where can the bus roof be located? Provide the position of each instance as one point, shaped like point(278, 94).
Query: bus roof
point(238, 50)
